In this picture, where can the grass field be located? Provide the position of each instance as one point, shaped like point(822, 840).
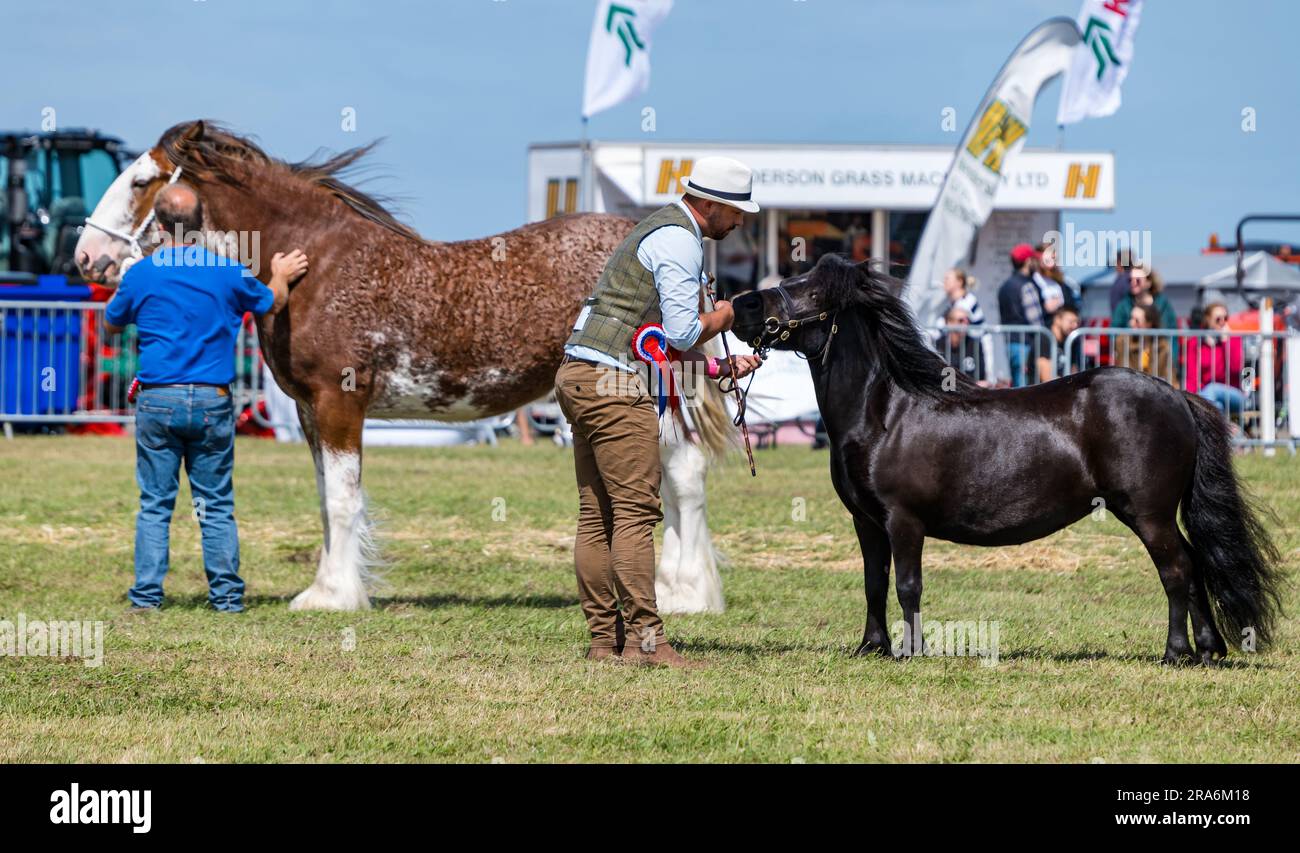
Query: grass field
point(475, 652)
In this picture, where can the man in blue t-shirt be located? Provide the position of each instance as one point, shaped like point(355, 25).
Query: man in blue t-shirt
point(187, 304)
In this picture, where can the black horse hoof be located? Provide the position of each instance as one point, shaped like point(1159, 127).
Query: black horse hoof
point(874, 648)
point(1172, 658)
point(1212, 657)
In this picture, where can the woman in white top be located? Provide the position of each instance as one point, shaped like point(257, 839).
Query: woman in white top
point(1055, 288)
point(959, 286)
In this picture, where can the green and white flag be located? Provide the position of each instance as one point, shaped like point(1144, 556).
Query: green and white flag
point(618, 60)
point(1101, 61)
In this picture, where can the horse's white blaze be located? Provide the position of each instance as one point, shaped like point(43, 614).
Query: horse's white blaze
point(117, 210)
point(348, 553)
point(687, 580)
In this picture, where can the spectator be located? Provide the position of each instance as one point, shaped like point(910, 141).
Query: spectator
point(1119, 287)
point(1064, 321)
point(1213, 362)
point(958, 286)
point(1020, 304)
point(1144, 288)
point(857, 240)
point(1051, 281)
point(961, 350)
point(1147, 353)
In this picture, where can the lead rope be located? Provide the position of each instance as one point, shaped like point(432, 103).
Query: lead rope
point(735, 386)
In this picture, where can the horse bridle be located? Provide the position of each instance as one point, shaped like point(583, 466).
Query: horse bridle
point(133, 239)
point(774, 330)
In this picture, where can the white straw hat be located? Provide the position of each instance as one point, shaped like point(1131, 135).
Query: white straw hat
point(722, 179)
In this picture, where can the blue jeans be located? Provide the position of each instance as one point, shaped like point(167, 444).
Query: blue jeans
point(1018, 356)
point(1229, 400)
point(193, 424)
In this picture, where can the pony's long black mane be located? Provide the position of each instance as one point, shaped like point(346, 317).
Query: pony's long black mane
point(207, 150)
point(870, 313)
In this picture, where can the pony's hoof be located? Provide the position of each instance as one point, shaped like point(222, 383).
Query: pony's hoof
point(316, 598)
point(1173, 658)
point(873, 647)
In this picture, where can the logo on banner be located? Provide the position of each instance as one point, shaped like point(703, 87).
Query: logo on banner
point(997, 131)
point(1079, 179)
point(1097, 36)
point(671, 172)
point(625, 30)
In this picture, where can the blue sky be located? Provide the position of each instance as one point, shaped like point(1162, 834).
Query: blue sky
point(461, 87)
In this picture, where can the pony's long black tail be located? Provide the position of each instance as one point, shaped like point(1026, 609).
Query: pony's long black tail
point(1231, 548)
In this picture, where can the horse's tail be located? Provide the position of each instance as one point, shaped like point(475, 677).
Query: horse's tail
point(1231, 549)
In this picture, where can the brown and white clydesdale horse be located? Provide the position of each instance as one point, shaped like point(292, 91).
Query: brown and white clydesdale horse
point(389, 324)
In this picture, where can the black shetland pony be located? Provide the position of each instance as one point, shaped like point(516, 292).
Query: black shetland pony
point(918, 450)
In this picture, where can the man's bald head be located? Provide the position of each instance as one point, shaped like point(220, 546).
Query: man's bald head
point(178, 208)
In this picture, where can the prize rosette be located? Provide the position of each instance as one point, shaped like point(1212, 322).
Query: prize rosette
point(650, 344)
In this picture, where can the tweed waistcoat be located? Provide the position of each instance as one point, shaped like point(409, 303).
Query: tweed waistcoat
point(625, 297)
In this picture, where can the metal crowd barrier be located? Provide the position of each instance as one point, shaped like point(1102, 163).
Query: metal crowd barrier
point(1253, 376)
point(1261, 386)
point(249, 388)
point(997, 355)
point(59, 365)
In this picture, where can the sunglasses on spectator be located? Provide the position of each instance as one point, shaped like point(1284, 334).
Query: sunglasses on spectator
point(1217, 319)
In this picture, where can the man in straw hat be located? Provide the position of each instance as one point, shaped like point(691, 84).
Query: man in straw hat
point(653, 278)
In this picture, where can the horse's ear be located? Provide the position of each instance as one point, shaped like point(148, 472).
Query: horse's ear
point(875, 270)
point(194, 132)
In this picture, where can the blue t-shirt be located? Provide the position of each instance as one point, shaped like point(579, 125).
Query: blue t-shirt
point(187, 304)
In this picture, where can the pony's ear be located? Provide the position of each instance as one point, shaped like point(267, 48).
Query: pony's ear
point(875, 272)
point(194, 132)
point(844, 282)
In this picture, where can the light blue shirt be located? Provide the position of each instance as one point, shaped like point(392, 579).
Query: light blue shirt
point(676, 258)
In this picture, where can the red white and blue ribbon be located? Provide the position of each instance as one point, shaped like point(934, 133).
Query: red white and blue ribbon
point(650, 344)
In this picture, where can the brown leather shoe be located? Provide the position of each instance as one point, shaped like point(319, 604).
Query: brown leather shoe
point(602, 653)
point(663, 655)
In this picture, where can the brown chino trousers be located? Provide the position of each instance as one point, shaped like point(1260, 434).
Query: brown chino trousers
point(616, 457)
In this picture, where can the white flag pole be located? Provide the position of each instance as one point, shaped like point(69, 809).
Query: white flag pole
point(586, 197)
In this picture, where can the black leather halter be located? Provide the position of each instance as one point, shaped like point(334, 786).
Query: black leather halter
point(775, 330)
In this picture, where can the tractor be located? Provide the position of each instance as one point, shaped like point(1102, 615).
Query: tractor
point(52, 181)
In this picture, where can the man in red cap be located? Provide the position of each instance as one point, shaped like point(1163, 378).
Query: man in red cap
point(1021, 304)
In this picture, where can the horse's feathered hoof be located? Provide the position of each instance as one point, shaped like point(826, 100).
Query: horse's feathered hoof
point(318, 598)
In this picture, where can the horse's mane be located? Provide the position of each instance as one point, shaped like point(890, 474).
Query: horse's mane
point(207, 150)
point(868, 302)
